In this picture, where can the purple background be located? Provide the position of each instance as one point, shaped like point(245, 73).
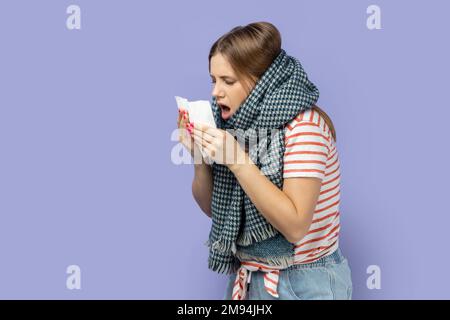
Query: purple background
point(86, 117)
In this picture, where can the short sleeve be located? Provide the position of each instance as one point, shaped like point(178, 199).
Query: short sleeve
point(307, 150)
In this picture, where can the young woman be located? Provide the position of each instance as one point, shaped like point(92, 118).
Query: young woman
point(274, 204)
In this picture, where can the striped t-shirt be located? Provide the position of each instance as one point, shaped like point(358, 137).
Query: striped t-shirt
point(310, 152)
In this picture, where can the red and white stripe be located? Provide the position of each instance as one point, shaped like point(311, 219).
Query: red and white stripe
point(243, 276)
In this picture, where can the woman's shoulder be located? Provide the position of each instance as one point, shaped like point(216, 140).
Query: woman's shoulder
point(308, 118)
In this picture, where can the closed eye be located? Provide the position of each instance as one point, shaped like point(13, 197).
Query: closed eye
point(226, 82)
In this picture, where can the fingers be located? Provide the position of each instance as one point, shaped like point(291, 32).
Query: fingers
point(199, 141)
point(208, 135)
point(181, 125)
point(179, 118)
point(206, 138)
point(207, 146)
point(183, 118)
point(202, 136)
point(185, 125)
point(209, 150)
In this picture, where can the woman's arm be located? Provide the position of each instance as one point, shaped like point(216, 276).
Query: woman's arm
point(289, 210)
point(202, 183)
point(202, 186)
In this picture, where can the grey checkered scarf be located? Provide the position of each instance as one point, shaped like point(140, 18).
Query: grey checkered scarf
point(238, 230)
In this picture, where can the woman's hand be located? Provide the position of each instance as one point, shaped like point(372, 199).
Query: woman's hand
point(219, 144)
point(185, 133)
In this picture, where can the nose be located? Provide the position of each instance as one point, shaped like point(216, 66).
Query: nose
point(217, 91)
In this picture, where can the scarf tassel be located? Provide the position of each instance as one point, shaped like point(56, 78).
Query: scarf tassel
point(261, 233)
point(245, 239)
point(226, 268)
point(278, 261)
point(222, 246)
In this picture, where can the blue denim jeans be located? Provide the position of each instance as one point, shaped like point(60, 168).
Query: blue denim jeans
point(328, 278)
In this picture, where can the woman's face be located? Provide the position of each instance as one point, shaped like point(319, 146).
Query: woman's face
point(229, 91)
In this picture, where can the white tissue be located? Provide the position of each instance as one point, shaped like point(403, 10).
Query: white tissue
point(199, 112)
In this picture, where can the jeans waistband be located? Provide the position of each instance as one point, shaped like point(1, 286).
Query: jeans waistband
point(334, 258)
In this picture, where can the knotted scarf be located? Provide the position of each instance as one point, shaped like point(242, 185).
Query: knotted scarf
point(238, 229)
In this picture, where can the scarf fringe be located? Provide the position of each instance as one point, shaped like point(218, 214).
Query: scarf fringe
point(280, 261)
point(220, 267)
point(245, 239)
point(222, 246)
point(229, 268)
point(260, 233)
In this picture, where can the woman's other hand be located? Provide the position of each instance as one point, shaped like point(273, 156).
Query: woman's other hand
point(185, 132)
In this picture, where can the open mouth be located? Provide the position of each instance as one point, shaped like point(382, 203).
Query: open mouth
point(226, 111)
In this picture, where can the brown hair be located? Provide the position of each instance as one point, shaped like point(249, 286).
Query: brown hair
point(250, 50)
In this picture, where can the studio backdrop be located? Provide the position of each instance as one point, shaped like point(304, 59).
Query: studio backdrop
point(95, 202)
